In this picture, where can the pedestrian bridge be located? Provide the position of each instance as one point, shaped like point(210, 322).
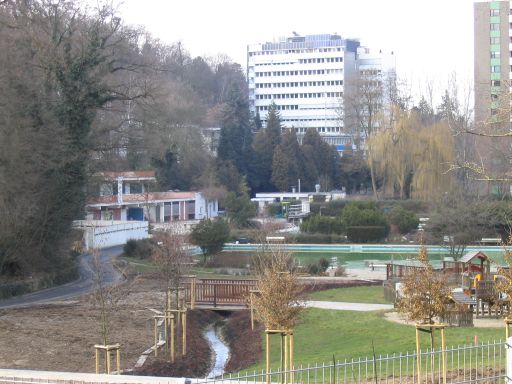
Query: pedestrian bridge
point(219, 294)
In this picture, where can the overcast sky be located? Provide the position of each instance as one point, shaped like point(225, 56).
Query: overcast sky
point(431, 39)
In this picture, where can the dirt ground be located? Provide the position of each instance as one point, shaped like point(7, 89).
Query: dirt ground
point(61, 336)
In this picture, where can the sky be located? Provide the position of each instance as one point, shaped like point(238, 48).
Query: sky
point(432, 40)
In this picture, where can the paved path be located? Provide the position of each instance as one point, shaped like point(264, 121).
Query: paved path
point(341, 306)
point(83, 285)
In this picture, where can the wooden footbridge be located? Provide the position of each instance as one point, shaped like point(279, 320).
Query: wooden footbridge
point(218, 294)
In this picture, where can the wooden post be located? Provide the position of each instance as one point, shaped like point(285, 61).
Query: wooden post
point(156, 335)
point(172, 339)
point(252, 311)
point(443, 356)
point(267, 338)
point(284, 337)
point(418, 354)
point(184, 331)
point(290, 333)
point(108, 349)
point(508, 321)
point(118, 358)
point(108, 362)
point(193, 293)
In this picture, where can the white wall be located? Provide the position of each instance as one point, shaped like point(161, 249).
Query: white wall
point(109, 234)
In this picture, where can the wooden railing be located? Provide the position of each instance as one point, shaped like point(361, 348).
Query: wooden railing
point(219, 292)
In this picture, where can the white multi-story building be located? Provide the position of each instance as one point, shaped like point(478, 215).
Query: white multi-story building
point(305, 77)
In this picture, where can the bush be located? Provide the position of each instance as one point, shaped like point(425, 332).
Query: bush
point(316, 238)
point(405, 220)
point(140, 249)
point(365, 222)
point(323, 263)
point(367, 233)
point(322, 224)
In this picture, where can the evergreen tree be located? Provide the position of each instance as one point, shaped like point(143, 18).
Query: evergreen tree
point(235, 135)
point(257, 121)
point(264, 145)
point(280, 167)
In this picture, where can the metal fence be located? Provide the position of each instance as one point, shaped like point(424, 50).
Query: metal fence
point(474, 363)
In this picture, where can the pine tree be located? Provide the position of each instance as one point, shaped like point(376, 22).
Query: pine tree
point(235, 135)
point(264, 145)
point(280, 167)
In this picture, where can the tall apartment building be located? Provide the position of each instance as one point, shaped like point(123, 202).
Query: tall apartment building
point(305, 77)
point(493, 86)
point(492, 61)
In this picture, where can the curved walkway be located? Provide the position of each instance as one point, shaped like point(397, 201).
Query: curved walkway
point(83, 285)
point(342, 306)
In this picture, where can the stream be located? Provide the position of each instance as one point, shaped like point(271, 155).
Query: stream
point(220, 351)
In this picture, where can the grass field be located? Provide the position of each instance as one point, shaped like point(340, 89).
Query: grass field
point(347, 334)
point(371, 294)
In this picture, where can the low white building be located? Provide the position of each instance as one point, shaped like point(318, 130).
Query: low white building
point(126, 196)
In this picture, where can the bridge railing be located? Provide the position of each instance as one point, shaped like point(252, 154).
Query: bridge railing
point(219, 292)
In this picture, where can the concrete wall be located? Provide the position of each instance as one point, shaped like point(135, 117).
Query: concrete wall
point(101, 234)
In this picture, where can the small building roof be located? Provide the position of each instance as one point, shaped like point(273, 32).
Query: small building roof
point(142, 198)
point(127, 175)
point(473, 255)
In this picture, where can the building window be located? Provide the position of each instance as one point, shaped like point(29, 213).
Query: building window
point(495, 55)
point(495, 40)
point(495, 83)
point(495, 12)
point(494, 97)
point(495, 69)
point(494, 26)
point(494, 112)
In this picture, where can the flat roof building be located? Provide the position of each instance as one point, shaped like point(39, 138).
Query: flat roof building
point(305, 77)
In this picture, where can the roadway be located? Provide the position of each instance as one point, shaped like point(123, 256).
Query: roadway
point(83, 285)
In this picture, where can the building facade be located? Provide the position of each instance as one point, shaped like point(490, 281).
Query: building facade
point(493, 51)
point(492, 77)
point(306, 76)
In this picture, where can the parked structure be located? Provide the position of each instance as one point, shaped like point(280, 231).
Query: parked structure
point(128, 196)
point(305, 77)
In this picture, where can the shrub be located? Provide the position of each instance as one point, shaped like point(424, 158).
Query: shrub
point(323, 263)
point(322, 224)
point(364, 222)
point(140, 249)
point(316, 238)
point(366, 233)
point(405, 220)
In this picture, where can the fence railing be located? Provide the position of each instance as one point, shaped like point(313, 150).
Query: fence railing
point(479, 363)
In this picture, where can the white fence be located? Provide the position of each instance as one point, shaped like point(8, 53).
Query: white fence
point(482, 363)
point(103, 234)
point(489, 362)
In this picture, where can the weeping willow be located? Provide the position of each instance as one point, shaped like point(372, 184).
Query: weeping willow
point(412, 159)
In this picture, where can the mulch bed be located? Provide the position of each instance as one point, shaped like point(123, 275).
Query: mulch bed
point(245, 344)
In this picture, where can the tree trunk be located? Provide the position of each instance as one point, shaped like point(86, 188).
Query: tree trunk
point(372, 174)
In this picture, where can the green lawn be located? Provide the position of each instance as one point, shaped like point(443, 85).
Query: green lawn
point(145, 266)
point(347, 334)
point(371, 294)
